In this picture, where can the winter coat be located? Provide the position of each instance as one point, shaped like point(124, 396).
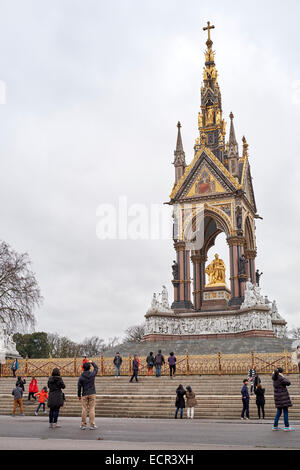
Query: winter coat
point(21, 383)
point(86, 382)
point(33, 386)
point(56, 396)
point(172, 360)
point(281, 394)
point(260, 396)
point(245, 393)
point(180, 402)
point(118, 361)
point(17, 393)
point(159, 359)
point(135, 364)
point(191, 401)
point(83, 362)
point(42, 396)
point(15, 365)
point(150, 360)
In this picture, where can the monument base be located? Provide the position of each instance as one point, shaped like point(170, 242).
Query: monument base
point(215, 298)
point(254, 321)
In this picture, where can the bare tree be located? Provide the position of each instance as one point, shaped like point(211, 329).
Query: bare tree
point(294, 333)
point(19, 290)
point(61, 346)
point(92, 346)
point(135, 333)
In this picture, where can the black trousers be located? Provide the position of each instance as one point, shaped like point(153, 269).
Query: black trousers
point(134, 375)
point(172, 370)
point(31, 394)
point(262, 408)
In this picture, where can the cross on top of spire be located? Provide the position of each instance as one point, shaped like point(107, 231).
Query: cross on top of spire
point(208, 28)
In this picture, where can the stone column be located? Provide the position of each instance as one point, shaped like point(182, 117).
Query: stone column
point(198, 260)
point(182, 285)
point(251, 255)
point(236, 250)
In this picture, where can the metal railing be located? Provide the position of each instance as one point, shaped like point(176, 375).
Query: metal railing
point(213, 364)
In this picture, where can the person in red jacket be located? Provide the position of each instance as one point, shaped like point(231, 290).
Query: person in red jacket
point(43, 396)
point(33, 388)
point(83, 362)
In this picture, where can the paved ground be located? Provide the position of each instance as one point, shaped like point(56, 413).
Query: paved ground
point(21, 433)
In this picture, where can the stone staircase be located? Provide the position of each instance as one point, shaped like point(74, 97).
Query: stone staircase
point(218, 397)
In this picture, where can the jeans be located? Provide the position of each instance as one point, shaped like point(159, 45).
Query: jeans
point(53, 414)
point(245, 407)
point(285, 416)
point(158, 370)
point(39, 405)
point(181, 412)
point(117, 371)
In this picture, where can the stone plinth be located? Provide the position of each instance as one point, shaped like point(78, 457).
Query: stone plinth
point(215, 298)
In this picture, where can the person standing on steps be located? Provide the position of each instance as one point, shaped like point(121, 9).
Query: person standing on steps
point(282, 399)
point(21, 381)
point(87, 394)
point(18, 394)
point(172, 364)
point(245, 400)
point(252, 377)
point(135, 368)
point(260, 400)
point(150, 363)
point(159, 362)
point(117, 362)
point(191, 402)
point(180, 402)
point(33, 388)
point(15, 367)
point(55, 397)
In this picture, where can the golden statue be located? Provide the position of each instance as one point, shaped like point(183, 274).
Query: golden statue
point(216, 272)
point(200, 120)
point(218, 116)
point(210, 115)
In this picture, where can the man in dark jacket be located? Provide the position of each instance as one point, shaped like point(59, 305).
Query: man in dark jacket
point(117, 362)
point(159, 361)
point(87, 394)
point(245, 400)
point(135, 369)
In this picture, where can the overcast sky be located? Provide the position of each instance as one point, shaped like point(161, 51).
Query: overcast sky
point(94, 90)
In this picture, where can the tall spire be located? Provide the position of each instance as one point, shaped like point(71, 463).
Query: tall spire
point(210, 120)
point(179, 161)
point(233, 149)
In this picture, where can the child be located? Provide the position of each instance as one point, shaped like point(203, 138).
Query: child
point(260, 400)
point(180, 403)
point(43, 396)
point(33, 388)
point(245, 399)
point(17, 394)
point(191, 402)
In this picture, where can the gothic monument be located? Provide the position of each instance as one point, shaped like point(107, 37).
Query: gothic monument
point(211, 195)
